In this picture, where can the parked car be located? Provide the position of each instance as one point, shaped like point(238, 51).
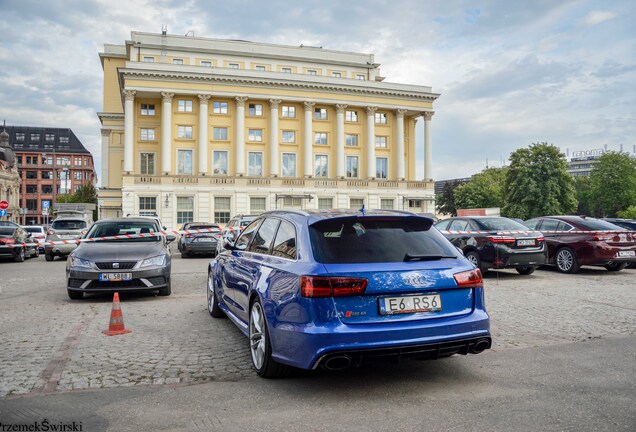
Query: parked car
point(628, 224)
point(11, 241)
point(66, 228)
point(38, 233)
point(333, 289)
point(199, 243)
point(496, 242)
point(152, 216)
point(8, 224)
point(130, 264)
point(233, 228)
point(574, 241)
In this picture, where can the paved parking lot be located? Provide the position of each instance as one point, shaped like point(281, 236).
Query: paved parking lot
point(52, 344)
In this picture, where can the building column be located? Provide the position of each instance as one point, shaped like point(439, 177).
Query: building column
point(428, 146)
point(166, 132)
point(129, 130)
point(240, 135)
point(273, 137)
point(203, 133)
point(105, 152)
point(401, 172)
point(371, 141)
point(309, 139)
point(340, 140)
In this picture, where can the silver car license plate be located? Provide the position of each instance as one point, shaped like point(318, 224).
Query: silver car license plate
point(410, 304)
point(115, 277)
point(525, 242)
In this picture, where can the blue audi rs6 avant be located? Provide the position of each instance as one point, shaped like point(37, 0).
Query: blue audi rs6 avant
point(333, 289)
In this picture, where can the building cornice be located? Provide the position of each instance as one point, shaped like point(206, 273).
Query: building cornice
point(110, 116)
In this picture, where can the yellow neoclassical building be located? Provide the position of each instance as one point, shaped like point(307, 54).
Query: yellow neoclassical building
point(202, 129)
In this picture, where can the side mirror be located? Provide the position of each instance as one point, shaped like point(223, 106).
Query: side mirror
point(227, 245)
point(170, 238)
point(164, 228)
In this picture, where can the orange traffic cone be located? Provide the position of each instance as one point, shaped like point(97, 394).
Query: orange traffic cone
point(116, 325)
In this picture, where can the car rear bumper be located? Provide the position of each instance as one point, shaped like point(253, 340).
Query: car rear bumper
point(503, 257)
point(200, 247)
point(9, 252)
point(62, 249)
point(604, 254)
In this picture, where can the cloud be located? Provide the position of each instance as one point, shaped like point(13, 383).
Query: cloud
point(597, 17)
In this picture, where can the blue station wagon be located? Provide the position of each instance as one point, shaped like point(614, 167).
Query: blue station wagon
point(332, 289)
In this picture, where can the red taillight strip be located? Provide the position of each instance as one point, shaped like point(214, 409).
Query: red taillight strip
point(322, 286)
point(469, 279)
point(501, 239)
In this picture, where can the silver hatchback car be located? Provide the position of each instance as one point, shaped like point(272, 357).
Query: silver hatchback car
point(65, 228)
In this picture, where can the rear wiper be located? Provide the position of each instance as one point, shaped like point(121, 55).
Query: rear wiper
point(409, 257)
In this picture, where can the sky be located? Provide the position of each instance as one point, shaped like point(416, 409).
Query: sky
point(510, 72)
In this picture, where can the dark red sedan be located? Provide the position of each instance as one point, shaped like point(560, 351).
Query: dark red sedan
point(574, 241)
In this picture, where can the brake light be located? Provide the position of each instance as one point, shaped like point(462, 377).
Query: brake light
point(50, 232)
point(603, 237)
point(7, 240)
point(540, 239)
point(188, 236)
point(320, 286)
point(501, 239)
point(469, 279)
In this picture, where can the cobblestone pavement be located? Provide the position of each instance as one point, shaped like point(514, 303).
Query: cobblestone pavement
point(50, 343)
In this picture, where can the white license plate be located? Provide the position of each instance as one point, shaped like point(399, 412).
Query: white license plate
point(626, 253)
point(205, 239)
point(68, 237)
point(529, 242)
point(115, 277)
point(410, 304)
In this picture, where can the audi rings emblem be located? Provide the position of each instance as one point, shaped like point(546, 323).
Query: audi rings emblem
point(414, 279)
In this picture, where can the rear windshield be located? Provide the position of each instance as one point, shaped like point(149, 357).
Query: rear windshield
point(6, 230)
point(246, 222)
point(599, 225)
point(196, 227)
point(110, 229)
point(501, 224)
point(33, 229)
point(369, 240)
point(69, 224)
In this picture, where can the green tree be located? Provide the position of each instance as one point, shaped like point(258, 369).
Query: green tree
point(445, 202)
point(537, 183)
point(86, 193)
point(483, 190)
point(613, 181)
point(583, 189)
point(628, 213)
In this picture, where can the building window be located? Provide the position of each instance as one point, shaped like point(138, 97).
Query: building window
point(147, 163)
point(336, 74)
point(63, 140)
point(255, 164)
point(286, 70)
point(288, 111)
point(220, 108)
point(19, 136)
point(386, 203)
point(289, 136)
point(149, 59)
point(380, 141)
point(47, 175)
point(147, 109)
point(221, 210)
point(78, 161)
point(32, 204)
point(31, 189)
point(220, 133)
point(31, 175)
point(255, 109)
point(325, 203)
point(255, 135)
point(351, 140)
point(415, 203)
point(184, 132)
point(77, 175)
point(177, 61)
point(257, 205)
point(185, 209)
point(381, 168)
point(184, 162)
point(351, 116)
point(352, 167)
point(35, 137)
point(321, 169)
point(289, 165)
point(320, 113)
point(87, 176)
point(312, 72)
point(147, 134)
point(356, 203)
point(206, 63)
point(320, 138)
point(380, 118)
point(47, 189)
point(260, 68)
point(292, 202)
point(184, 105)
point(233, 65)
point(219, 162)
point(49, 137)
point(360, 77)
point(147, 206)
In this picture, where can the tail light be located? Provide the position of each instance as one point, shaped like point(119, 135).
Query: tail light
point(540, 239)
point(320, 286)
point(7, 240)
point(501, 239)
point(603, 237)
point(188, 236)
point(469, 279)
point(50, 232)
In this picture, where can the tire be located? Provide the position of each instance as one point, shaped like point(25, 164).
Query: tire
point(525, 270)
point(185, 255)
point(36, 253)
point(566, 261)
point(473, 257)
point(20, 256)
point(614, 267)
point(213, 302)
point(260, 346)
point(166, 291)
point(48, 256)
point(74, 295)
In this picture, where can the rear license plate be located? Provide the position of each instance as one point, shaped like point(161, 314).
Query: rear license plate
point(68, 237)
point(410, 304)
point(205, 239)
point(115, 277)
point(529, 242)
point(626, 253)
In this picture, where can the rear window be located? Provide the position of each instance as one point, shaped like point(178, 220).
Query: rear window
point(6, 230)
point(501, 224)
point(193, 227)
point(33, 229)
point(599, 225)
point(370, 240)
point(69, 224)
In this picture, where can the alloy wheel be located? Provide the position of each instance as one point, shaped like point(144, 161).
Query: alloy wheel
point(211, 299)
point(257, 335)
point(565, 260)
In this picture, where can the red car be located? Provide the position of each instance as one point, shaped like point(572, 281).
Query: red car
point(574, 241)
